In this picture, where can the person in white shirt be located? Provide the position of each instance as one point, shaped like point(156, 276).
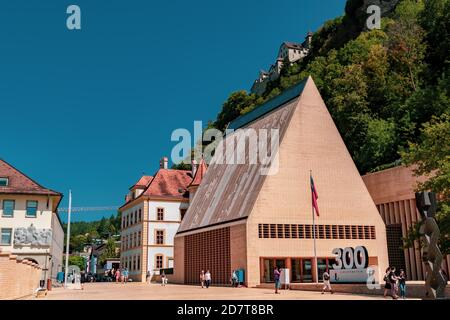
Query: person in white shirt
point(326, 283)
point(207, 279)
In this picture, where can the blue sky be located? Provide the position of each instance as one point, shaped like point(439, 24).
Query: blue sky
point(91, 110)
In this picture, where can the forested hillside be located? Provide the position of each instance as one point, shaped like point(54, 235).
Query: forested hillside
point(381, 86)
point(85, 233)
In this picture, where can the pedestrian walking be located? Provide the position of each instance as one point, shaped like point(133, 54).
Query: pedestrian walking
point(234, 279)
point(393, 280)
point(125, 275)
point(147, 277)
point(82, 280)
point(110, 275)
point(207, 279)
point(202, 278)
point(387, 282)
point(402, 283)
point(117, 275)
point(326, 283)
point(276, 277)
point(163, 279)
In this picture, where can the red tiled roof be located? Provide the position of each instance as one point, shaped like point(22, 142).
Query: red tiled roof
point(143, 182)
point(200, 173)
point(168, 183)
point(19, 183)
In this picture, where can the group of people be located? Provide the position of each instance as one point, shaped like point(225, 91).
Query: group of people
point(205, 279)
point(395, 283)
point(120, 275)
point(163, 277)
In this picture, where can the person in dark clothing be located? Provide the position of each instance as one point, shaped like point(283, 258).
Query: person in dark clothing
point(276, 277)
point(387, 282)
point(393, 281)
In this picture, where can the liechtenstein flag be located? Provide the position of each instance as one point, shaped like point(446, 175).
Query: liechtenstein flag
point(314, 196)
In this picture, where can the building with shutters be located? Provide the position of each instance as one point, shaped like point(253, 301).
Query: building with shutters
point(29, 223)
point(151, 215)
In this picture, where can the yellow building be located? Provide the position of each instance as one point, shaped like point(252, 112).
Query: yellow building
point(241, 219)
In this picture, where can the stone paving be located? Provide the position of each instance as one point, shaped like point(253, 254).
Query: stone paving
point(142, 291)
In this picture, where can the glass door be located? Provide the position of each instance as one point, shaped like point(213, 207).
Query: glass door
point(322, 267)
point(307, 270)
point(269, 266)
point(296, 270)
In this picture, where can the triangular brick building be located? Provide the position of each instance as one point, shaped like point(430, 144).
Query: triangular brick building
point(240, 219)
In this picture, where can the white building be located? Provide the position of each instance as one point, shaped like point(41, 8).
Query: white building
point(289, 52)
point(29, 224)
point(151, 215)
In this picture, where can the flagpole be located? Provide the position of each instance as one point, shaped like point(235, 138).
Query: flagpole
point(314, 232)
point(68, 239)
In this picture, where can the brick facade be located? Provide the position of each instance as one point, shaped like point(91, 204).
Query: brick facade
point(19, 278)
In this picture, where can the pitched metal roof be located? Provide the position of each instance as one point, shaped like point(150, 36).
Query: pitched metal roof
point(272, 104)
point(228, 191)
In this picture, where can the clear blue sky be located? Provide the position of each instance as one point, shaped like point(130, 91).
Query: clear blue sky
point(92, 110)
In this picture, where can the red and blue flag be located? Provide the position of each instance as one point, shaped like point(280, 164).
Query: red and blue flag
point(314, 196)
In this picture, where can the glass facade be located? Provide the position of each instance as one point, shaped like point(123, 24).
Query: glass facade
point(301, 268)
point(307, 270)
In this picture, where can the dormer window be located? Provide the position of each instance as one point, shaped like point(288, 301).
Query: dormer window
point(4, 182)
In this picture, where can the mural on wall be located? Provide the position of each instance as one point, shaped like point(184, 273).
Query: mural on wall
point(32, 237)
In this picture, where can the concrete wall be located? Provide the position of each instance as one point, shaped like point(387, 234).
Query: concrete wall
point(178, 269)
point(238, 246)
point(18, 278)
point(57, 247)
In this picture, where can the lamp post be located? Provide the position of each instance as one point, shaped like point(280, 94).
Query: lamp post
point(68, 239)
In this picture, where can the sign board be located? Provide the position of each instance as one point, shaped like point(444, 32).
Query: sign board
point(351, 266)
point(285, 276)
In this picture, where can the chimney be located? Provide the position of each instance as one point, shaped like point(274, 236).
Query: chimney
point(194, 167)
point(163, 163)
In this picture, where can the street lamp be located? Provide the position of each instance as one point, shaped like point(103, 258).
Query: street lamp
point(68, 239)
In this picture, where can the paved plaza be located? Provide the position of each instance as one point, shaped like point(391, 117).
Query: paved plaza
point(140, 291)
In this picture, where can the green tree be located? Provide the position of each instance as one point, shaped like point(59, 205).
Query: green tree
point(78, 261)
point(435, 19)
point(431, 159)
point(237, 104)
point(77, 242)
point(111, 251)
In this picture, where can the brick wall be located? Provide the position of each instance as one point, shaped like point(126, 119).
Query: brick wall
point(18, 278)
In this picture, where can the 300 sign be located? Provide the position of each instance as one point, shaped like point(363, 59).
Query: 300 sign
point(351, 258)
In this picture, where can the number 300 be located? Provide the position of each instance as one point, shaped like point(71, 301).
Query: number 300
point(349, 258)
